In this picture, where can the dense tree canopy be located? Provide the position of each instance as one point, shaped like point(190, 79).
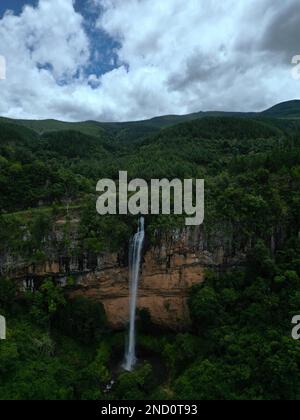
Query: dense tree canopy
point(239, 343)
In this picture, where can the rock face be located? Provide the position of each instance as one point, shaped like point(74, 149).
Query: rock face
point(169, 269)
point(163, 288)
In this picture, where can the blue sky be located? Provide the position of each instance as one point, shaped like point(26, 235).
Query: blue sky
point(15, 5)
point(120, 60)
point(100, 41)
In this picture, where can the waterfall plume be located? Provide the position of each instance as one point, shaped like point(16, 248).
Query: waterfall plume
point(135, 255)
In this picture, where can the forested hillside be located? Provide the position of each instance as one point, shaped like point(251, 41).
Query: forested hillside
point(131, 131)
point(239, 342)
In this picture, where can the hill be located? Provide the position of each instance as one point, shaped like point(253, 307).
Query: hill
point(136, 130)
point(290, 109)
point(43, 126)
point(57, 166)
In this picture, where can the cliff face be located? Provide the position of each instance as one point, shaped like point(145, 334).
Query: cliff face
point(163, 288)
point(169, 269)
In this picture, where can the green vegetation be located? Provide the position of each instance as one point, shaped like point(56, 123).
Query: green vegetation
point(239, 343)
point(288, 109)
point(134, 130)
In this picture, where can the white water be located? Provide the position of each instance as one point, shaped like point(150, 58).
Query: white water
point(135, 255)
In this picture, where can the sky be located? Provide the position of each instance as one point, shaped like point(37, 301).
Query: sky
point(117, 60)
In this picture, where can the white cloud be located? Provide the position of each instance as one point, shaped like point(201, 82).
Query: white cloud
point(175, 57)
point(42, 47)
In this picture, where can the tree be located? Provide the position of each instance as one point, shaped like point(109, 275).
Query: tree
point(46, 302)
point(82, 319)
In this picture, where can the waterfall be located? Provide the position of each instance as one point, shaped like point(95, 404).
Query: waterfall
point(135, 255)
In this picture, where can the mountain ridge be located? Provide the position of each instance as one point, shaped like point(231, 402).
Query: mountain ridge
point(136, 129)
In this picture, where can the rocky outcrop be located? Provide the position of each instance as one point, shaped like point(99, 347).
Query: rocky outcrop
point(170, 268)
point(163, 288)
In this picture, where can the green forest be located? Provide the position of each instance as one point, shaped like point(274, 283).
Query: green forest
point(238, 345)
